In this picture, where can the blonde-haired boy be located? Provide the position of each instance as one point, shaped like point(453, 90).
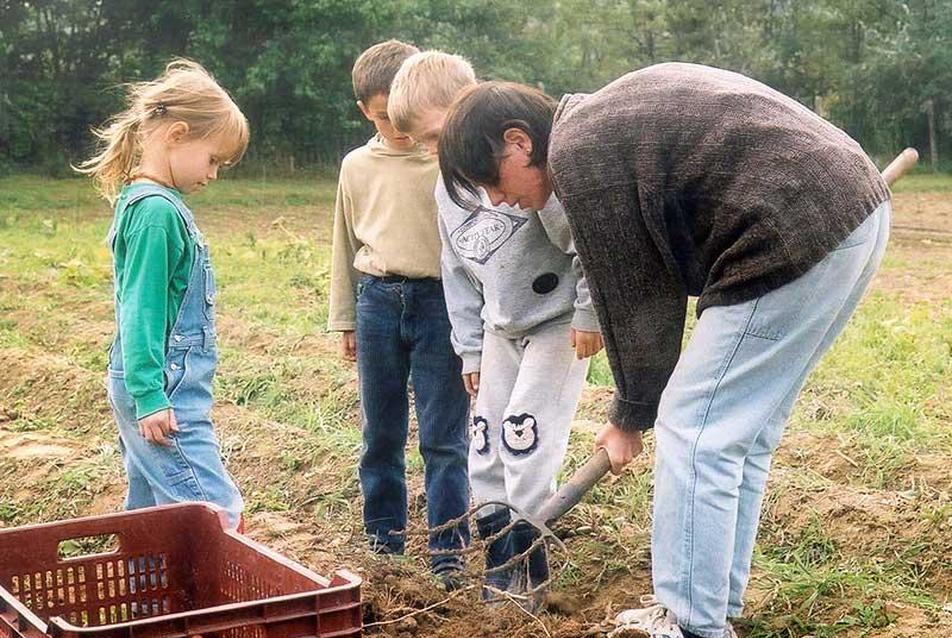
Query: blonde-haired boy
point(422, 92)
point(523, 324)
point(387, 300)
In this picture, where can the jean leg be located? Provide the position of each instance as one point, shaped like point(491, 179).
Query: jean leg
point(741, 364)
point(139, 492)
point(383, 369)
point(757, 464)
point(442, 407)
point(197, 445)
point(189, 469)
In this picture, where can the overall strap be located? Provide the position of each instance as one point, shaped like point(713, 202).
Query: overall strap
point(142, 191)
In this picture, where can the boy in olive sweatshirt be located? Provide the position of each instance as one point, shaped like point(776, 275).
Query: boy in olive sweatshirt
point(387, 301)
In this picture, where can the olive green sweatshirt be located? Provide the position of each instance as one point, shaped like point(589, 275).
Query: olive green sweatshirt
point(384, 222)
point(152, 260)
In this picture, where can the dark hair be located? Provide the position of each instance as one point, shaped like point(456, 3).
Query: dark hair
point(471, 143)
point(375, 68)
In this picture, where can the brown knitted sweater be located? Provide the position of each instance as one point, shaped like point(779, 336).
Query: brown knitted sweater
point(681, 179)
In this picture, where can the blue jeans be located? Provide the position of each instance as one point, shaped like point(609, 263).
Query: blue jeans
point(403, 332)
point(722, 415)
point(190, 469)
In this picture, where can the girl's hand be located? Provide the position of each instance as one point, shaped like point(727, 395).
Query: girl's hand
point(157, 427)
point(471, 383)
point(348, 345)
point(621, 446)
point(586, 344)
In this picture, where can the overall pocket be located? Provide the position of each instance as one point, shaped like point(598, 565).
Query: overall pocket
point(211, 291)
point(176, 367)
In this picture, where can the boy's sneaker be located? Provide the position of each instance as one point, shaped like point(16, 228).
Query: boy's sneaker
point(451, 576)
point(498, 553)
point(381, 547)
point(531, 572)
point(654, 621)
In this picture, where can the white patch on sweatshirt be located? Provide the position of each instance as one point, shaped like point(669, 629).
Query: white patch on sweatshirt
point(484, 232)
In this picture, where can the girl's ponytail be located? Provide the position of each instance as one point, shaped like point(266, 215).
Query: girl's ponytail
point(119, 153)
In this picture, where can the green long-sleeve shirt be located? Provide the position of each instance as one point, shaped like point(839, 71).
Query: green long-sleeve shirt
point(153, 260)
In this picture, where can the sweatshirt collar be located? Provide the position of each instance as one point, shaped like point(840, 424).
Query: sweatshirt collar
point(378, 146)
point(567, 104)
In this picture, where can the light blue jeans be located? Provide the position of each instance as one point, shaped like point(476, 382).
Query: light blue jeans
point(722, 415)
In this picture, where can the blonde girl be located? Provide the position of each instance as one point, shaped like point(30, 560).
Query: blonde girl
point(175, 134)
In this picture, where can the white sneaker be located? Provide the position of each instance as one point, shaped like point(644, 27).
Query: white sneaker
point(654, 621)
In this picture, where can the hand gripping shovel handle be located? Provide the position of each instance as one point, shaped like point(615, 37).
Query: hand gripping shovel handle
point(598, 465)
point(572, 492)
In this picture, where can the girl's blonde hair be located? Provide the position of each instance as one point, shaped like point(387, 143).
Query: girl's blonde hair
point(185, 92)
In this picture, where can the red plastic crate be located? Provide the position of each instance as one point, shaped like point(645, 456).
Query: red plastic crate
point(177, 573)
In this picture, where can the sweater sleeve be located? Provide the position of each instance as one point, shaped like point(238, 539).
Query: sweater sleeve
point(556, 227)
point(152, 253)
point(640, 300)
point(341, 313)
point(464, 304)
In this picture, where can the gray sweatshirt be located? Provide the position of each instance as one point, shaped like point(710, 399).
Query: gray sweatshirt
point(508, 271)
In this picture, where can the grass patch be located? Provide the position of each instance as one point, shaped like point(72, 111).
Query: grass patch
point(883, 384)
point(289, 414)
point(924, 182)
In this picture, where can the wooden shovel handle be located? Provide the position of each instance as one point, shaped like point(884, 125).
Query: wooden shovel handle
point(572, 492)
point(899, 166)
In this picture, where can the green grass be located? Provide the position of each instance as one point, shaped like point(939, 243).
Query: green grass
point(924, 181)
point(290, 413)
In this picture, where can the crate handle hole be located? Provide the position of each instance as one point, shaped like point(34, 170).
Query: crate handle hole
point(82, 546)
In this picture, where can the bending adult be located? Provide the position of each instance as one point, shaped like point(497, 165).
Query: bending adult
point(683, 180)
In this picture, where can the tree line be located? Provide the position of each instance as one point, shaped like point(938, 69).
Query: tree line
point(880, 69)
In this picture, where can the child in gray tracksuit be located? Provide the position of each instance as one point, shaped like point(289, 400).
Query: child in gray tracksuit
point(519, 305)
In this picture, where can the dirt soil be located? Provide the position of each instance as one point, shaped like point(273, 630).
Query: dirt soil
point(921, 243)
point(401, 600)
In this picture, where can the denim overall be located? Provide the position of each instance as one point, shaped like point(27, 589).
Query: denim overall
point(191, 468)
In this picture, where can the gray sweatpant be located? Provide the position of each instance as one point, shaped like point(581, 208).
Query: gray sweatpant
point(529, 389)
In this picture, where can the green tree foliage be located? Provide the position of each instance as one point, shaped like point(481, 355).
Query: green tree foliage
point(871, 66)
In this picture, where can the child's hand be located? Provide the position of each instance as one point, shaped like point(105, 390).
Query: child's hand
point(585, 343)
point(348, 345)
point(156, 427)
point(471, 383)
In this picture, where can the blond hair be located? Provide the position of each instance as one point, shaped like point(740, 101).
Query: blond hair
point(185, 92)
point(374, 68)
point(426, 81)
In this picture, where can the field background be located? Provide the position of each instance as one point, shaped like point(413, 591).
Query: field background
point(856, 539)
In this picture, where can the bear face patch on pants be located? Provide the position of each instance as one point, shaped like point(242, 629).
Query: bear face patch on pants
point(520, 434)
point(479, 433)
